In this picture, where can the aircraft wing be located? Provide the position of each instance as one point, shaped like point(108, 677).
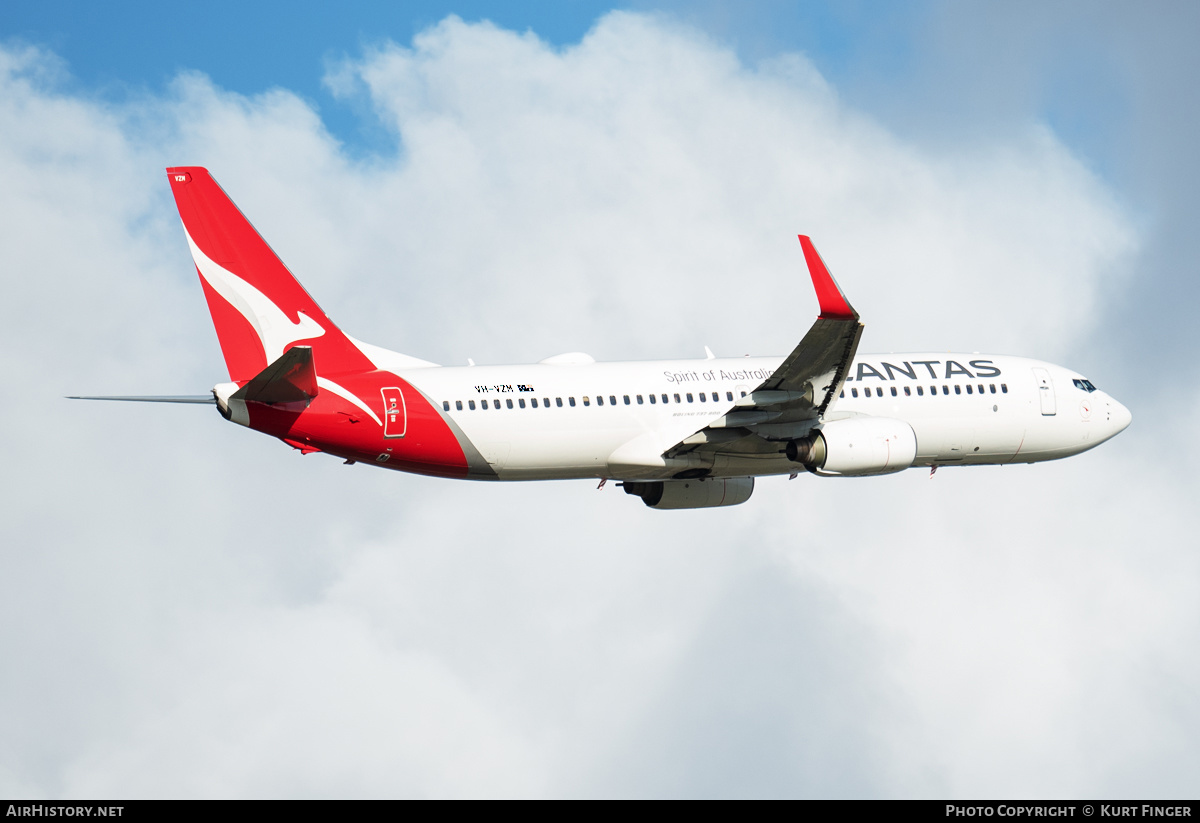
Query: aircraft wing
point(797, 395)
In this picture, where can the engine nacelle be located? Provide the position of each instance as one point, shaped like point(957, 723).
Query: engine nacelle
point(699, 493)
point(857, 446)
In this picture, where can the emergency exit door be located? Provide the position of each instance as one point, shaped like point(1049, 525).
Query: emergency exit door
point(395, 419)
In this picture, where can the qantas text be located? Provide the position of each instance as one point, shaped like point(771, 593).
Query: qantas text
point(916, 370)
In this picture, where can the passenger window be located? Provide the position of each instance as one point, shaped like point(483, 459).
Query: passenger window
point(1004, 388)
point(893, 391)
point(639, 399)
point(626, 400)
point(842, 393)
point(612, 400)
point(729, 396)
point(743, 394)
point(920, 391)
point(689, 397)
point(521, 402)
point(471, 405)
point(599, 400)
point(677, 400)
point(992, 386)
point(653, 399)
point(957, 389)
point(703, 397)
point(533, 402)
point(571, 400)
point(558, 402)
point(968, 388)
point(445, 405)
point(508, 402)
point(879, 391)
point(586, 401)
point(854, 392)
point(664, 397)
point(458, 405)
point(907, 391)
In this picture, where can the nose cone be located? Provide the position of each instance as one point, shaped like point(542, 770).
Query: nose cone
point(1119, 417)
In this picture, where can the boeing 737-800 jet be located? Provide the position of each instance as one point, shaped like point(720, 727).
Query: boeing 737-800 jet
point(678, 433)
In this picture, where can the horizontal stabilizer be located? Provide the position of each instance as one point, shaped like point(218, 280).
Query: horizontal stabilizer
point(206, 399)
point(290, 379)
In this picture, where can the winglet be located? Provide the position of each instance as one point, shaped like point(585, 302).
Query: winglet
point(834, 305)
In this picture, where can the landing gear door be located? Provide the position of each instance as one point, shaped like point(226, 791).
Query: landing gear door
point(395, 419)
point(1045, 391)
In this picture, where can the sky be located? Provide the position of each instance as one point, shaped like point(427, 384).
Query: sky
point(188, 609)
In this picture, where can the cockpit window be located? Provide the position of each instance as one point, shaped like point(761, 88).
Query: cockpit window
point(1085, 385)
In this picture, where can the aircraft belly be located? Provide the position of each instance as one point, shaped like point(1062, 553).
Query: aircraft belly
point(980, 440)
point(1049, 438)
point(553, 454)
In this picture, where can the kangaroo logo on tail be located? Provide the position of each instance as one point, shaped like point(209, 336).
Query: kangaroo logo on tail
point(275, 330)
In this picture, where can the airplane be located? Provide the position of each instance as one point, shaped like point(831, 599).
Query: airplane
point(679, 434)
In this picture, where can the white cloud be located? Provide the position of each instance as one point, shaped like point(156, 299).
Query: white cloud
point(194, 610)
point(647, 163)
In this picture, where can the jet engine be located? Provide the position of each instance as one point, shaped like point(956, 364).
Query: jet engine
point(699, 493)
point(856, 447)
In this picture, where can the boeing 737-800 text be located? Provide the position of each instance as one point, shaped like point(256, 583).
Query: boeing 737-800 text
point(678, 433)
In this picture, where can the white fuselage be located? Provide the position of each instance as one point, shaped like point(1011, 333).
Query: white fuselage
point(586, 419)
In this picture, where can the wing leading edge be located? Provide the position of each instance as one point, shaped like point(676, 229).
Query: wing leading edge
point(800, 392)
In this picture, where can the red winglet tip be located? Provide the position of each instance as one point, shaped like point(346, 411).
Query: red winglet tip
point(834, 305)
